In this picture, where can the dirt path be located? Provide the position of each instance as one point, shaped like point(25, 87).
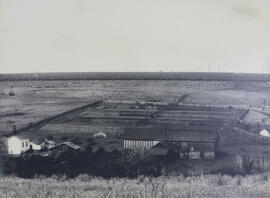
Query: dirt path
point(183, 98)
point(43, 122)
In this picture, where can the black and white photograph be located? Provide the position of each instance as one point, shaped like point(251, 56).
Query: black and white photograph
point(134, 99)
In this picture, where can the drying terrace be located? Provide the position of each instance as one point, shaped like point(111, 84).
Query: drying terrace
point(112, 118)
point(181, 114)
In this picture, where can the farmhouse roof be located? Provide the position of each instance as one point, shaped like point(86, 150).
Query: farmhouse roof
point(144, 134)
point(20, 137)
point(164, 144)
point(69, 144)
point(183, 135)
point(162, 148)
point(100, 135)
point(49, 141)
point(31, 139)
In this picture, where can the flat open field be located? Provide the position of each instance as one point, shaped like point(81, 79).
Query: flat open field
point(113, 118)
point(40, 99)
point(210, 186)
point(36, 100)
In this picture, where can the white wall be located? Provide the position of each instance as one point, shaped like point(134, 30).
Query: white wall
point(47, 145)
point(140, 144)
point(35, 146)
point(17, 146)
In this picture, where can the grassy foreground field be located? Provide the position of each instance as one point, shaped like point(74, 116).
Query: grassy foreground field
point(255, 186)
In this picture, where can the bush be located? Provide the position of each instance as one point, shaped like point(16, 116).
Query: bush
point(84, 177)
point(243, 165)
point(11, 93)
point(76, 140)
point(104, 164)
point(49, 137)
point(63, 138)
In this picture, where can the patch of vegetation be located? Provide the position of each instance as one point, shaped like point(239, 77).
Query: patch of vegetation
point(126, 163)
point(141, 187)
point(11, 93)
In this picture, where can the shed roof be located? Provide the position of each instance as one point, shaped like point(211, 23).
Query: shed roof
point(49, 141)
point(34, 139)
point(69, 144)
point(169, 134)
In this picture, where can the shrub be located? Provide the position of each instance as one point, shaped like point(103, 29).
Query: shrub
point(49, 137)
point(76, 140)
point(238, 181)
point(220, 181)
point(243, 165)
point(84, 178)
point(63, 138)
point(91, 141)
point(11, 93)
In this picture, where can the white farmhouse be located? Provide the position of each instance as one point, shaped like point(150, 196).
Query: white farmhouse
point(16, 145)
point(20, 144)
point(35, 146)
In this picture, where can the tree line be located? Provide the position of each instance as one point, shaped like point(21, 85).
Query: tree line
point(125, 163)
point(137, 76)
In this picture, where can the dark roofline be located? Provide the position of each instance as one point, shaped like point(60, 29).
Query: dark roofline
point(169, 140)
point(69, 144)
point(141, 139)
point(175, 135)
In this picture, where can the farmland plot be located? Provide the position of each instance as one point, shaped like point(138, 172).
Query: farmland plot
point(37, 100)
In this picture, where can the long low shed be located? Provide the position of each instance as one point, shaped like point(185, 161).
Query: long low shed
point(145, 138)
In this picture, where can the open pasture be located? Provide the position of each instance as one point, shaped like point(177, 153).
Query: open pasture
point(36, 100)
point(114, 118)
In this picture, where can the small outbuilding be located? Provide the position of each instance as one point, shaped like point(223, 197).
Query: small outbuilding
point(17, 145)
point(48, 144)
point(265, 133)
point(100, 135)
point(64, 147)
point(20, 144)
point(189, 142)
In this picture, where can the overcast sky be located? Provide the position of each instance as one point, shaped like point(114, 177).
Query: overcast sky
point(137, 35)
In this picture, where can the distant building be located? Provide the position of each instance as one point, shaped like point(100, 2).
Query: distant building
point(189, 142)
point(142, 138)
point(64, 147)
point(161, 148)
point(99, 135)
point(20, 144)
point(47, 144)
point(17, 145)
point(265, 133)
point(35, 145)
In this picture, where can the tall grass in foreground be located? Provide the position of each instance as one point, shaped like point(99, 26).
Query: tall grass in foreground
point(255, 186)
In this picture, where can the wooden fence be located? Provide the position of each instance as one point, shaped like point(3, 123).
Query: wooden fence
point(46, 120)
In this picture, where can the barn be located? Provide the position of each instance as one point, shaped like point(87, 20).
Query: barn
point(47, 144)
point(187, 141)
point(142, 138)
point(69, 147)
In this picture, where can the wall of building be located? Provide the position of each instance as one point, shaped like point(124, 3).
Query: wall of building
point(17, 146)
point(198, 150)
point(139, 144)
point(46, 145)
point(35, 146)
point(1, 165)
